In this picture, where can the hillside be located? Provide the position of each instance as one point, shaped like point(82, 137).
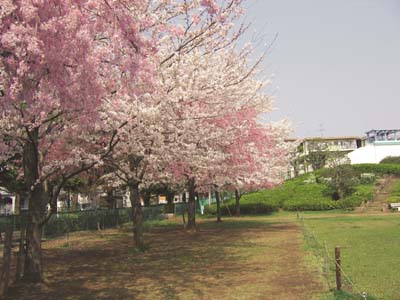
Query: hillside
point(308, 192)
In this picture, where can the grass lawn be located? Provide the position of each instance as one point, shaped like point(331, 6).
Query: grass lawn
point(258, 257)
point(370, 249)
point(246, 258)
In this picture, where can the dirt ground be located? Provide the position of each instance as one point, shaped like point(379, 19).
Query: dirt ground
point(238, 259)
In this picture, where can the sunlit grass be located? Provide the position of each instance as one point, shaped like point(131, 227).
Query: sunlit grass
point(370, 248)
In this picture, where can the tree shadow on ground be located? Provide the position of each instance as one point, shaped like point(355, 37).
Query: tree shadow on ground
point(210, 264)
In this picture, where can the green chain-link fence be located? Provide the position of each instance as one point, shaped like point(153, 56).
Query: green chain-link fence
point(65, 222)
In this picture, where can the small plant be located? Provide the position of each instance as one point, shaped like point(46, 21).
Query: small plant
point(367, 178)
point(311, 179)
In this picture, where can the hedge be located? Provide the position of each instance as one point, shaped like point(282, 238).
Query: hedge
point(379, 169)
point(303, 193)
point(391, 160)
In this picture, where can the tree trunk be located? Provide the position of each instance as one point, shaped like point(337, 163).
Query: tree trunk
point(184, 209)
point(17, 205)
point(170, 198)
point(237, 206)
point(170, 207)
point(33, 270)
point(74, 201)
point(69, 200)
point(21, 252)
point(191, 205)
point(38, 200)
point(5, 274)
point(137, 214)
point(217, 198)
point(146, 198)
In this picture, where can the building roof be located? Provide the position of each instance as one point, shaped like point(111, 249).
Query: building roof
point(382, 130)
point(333, 138)
point(323, 138)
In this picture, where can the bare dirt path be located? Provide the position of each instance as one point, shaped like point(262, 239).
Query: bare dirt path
point(254, 258)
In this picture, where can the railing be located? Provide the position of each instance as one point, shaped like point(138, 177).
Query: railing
point(62, 223)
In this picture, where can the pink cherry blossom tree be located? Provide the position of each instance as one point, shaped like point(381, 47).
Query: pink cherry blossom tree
point(156, 130)
point(219, 101)
point(60, 61)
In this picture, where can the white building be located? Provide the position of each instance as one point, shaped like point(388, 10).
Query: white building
point(7, 202)
point(379, 144)
point(339, 145)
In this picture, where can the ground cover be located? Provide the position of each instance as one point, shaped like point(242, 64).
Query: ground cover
point(394, 196)
point(303, 193)
point(370, 249)
point(250, 258)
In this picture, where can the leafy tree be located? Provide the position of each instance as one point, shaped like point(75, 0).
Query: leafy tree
point(59, 62)
point(342, 183)
point(317, 156)
point(317, 159)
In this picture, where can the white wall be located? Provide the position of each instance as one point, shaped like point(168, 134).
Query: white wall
point(8, 208)
point(374, 153)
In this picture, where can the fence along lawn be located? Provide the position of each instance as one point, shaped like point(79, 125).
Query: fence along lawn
point(251, 258)
point(370, 248)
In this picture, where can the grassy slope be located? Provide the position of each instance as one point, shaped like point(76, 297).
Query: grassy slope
point(395, 194)
point(370, 249)
point(296, 194)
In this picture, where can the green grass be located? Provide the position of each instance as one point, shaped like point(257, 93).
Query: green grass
point(298, 194)
point(379, 169)
point(257, 257)
point(305, 193)
point(394, 196)
point(370, 248)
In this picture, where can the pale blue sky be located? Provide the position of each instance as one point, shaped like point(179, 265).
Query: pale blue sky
point(336, 63)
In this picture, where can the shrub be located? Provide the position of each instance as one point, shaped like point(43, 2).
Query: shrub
point(367, 178)
point(378, 169)
point(343, 182)
point(253, 204)
point(296, 194)
point(390, 160)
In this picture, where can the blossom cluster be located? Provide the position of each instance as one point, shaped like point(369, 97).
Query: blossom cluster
point(155, 90)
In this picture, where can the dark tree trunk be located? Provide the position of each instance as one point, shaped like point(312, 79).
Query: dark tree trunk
point(21, 251)
point(110, 199)
point(138, 218)
point(38, 200)
point(184, 197)
point(237, 205)
point(170, 207)
point(74, 200)
point(184, 209)
point(17, 206)
point(5, 273)
point(170, 198)
point(33, 269)
point(69, 200)
point(191, 205)
point(218, 200)
point(146, 198)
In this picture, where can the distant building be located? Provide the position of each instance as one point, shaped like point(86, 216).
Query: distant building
point(7, 202)
point(343, 144)
point(340, 146)
point(378, 144)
